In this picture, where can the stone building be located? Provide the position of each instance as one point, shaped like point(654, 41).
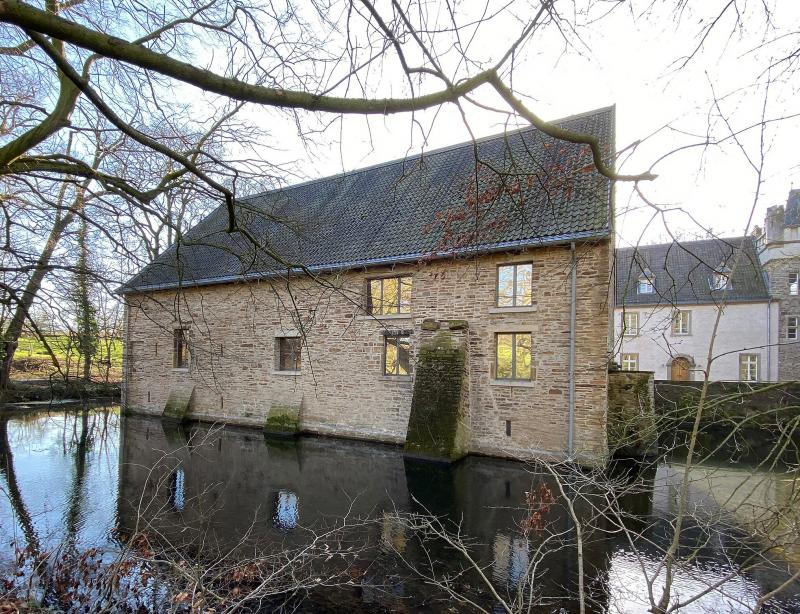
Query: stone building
point(667, 299)
point(779, 250)
point(498, 252)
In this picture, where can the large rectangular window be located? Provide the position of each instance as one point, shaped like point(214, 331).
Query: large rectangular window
point(791, 328)
point(630, 323)
point(389, 295)
point(515, 285)
point(514, 356)
point(180, 349)
point(681, 322)
point(397, 355)
point(794, 283)
point(630, 362)
point(289, 352)
point(748, 367)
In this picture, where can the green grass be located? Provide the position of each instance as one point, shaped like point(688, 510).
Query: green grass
point(32, 359)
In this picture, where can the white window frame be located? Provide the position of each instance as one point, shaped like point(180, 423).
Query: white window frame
point(630, 331)
point(720, 281)
point(749, 362)
point(646, 285)
point(792, 327)
point(629, 361)
point(794, 284)
point(678, 318)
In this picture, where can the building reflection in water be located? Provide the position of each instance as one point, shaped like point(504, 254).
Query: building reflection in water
point(286, 514)
point(177, 489)
point(511, 559)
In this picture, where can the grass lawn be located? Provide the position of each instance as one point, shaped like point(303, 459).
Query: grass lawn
point(32, 360)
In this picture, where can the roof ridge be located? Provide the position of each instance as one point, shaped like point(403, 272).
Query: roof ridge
point(433, 152)
point(684, 243)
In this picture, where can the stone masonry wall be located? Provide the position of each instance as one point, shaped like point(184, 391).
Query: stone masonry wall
point(232, 332)
point(778, 271)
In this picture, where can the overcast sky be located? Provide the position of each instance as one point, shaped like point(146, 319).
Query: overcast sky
point(631, 60)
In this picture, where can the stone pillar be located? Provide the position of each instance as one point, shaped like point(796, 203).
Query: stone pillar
point(632, 428)
point(439, 425)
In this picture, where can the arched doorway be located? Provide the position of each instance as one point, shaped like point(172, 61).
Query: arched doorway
point(680, 369)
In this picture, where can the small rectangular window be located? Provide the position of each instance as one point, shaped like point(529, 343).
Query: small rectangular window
point(289, 352)
point(681, 322)
point(630, 323)
point(630, 362)
point(794, 283)
point(514, 356)
point(748, 367)
point(646, 286)
point(515, 285)
point(397, 355)
point(791, 328)
point(180, 350)
point(389, 295)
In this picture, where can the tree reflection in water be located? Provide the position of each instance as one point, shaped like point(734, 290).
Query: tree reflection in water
point(219, 509)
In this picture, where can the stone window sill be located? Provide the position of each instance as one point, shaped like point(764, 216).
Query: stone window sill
point(517, 383)
point(397, 378)
point(386, 316)
point(528, 309)
point(180, 369)
point(287, 373)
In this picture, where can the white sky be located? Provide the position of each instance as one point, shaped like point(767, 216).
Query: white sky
point(629, 62)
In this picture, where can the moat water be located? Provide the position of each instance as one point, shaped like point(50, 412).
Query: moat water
point(91, 480)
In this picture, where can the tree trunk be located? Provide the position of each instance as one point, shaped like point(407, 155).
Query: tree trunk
point(25, 300)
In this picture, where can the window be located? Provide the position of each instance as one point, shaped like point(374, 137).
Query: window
point(389, 295)
point(630, 323)
point(646, 283)
point(791, 328)
point(514, 356)
point(630, 362)
point(180, 350)
point(289, 351)
point(396, 355)
point(681, 322)
point(794, 283)
point(515, 285)
point(748, 367)
point(721, 279)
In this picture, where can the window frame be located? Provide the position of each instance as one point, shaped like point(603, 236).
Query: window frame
point(279, 340)
point(635, 359)
point(514, 293)
point(794, 286)
point(370, 307)
point(716, 277)
point(792, 328)
point(181, 356)
point(626, 331)
point(513, 377)
point(645, 281)
point(742, 364)
point(396, 337)
point(678, 313)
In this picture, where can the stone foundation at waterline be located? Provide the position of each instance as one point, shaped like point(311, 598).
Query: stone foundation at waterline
point(233, 329)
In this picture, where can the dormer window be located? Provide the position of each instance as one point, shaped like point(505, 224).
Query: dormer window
point(721, 279)
point(646, 283)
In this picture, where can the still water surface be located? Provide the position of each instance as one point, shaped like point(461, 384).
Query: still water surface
point(73, 481)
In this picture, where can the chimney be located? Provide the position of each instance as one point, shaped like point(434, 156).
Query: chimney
point(774, 223)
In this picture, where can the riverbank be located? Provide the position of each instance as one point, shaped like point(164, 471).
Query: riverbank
point(38, 392)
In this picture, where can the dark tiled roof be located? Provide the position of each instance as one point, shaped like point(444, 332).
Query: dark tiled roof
point(523, 189)
point(682, 272)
